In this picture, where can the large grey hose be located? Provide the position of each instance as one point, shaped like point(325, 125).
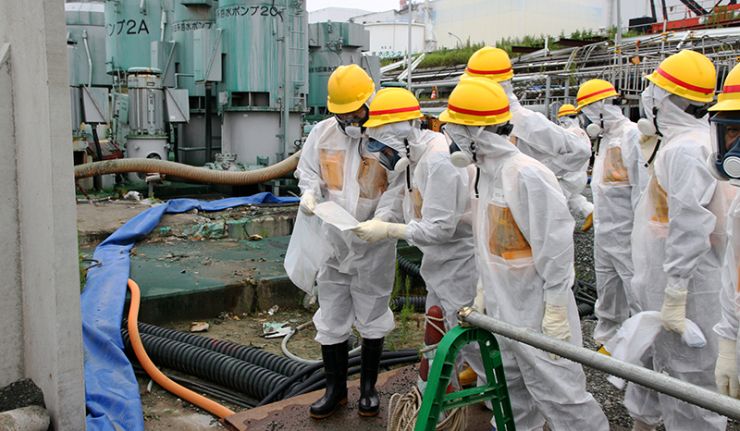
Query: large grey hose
point(202, 175)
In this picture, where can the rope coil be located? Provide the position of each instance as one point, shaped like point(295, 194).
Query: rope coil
point(404, 410)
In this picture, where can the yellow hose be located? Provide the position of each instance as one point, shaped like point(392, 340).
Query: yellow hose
point(151, 369)
point(202, 175)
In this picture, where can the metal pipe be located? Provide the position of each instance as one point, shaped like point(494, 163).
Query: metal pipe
point(162, 25)
point(548, 83)
point(89, 59)
point(676, 388)
point(286, 83)
point(408, 78)
point(209, 126)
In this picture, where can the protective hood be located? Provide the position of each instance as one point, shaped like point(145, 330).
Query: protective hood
point(604, 110)
point(397, 136)
point(487, 143)
point(672, 119)
point(509, 89)
point(568, 122)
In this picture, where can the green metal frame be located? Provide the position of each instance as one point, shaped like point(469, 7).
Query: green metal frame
point(435, 399)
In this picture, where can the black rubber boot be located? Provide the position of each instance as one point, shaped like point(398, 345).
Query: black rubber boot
point(372, 350)
point(335, 367)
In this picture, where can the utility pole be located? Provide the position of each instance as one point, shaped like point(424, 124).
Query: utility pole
point(408, 57)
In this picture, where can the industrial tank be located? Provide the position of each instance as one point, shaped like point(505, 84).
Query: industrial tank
point(264, 82)
point(130, 28)
point(86, 34)
point(189, 17)
point(333, 44)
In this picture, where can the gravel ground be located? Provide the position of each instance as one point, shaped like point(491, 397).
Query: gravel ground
point(609, 397)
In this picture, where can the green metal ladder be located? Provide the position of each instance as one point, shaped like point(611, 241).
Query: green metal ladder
point(436, 401)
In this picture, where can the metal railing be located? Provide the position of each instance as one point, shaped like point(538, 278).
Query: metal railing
point(662, 383)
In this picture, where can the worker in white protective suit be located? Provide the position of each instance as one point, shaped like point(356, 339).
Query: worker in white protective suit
point(524, 250)
point(618, 179)
point(356, 282)
point(725, 164)
point(573, 183)
point(436, 206)
point(536, 136)
point(678, 241)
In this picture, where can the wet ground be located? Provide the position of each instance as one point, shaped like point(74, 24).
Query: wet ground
point(162, 411)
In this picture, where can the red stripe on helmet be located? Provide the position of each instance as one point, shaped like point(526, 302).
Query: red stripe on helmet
point(395, 111)
point(477, 113)
point(686, 85)
point(731, 89)
point(586, 96)
point(489, 72)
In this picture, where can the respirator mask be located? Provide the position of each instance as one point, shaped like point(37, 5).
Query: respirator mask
point(351, 123)
point(724, 163)
point(391, 143)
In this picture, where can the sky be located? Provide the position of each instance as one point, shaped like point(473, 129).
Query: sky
point(369, 5)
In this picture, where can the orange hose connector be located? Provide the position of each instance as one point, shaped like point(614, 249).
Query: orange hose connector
point(192, 173)
point(151, 369)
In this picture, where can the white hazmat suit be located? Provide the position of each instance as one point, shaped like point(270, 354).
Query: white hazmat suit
point(679, 239)
point(555, 147)
point(728, 327)
point(574, 182)
point(524, 248)
point(436, 209)
point(618, 180)
point(356, 282)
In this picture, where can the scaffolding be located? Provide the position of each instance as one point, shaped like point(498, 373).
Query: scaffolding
point(544, 80)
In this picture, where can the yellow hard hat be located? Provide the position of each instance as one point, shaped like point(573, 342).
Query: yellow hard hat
point(729, 100)
point(567, 109)
point(392, 105)
point(687, 74)
point(594, 90)
point(477, 102)
point(490, 62)
point(349, 88)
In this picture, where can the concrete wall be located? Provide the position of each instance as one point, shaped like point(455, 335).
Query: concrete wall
point(42, 336)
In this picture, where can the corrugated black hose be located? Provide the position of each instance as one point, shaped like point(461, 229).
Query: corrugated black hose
point(418, 302)
point(249, 379)
point(408, 267)
point(270, 361)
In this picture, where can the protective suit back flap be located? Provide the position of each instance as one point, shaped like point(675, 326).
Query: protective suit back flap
point(638, 333)
point(300, 266)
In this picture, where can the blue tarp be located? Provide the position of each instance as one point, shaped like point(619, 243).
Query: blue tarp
point(111, 390)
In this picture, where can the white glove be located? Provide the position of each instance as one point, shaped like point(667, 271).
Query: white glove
point(725, 373)
point(479, 304)
point(555, 324)
point(308, 203)
point(375, 230)
point(673, 313)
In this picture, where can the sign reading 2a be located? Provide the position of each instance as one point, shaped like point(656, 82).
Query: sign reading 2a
point(130, 27)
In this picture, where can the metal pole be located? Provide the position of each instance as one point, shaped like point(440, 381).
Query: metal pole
point(684, 391)
point(548, 83)
point(209, 126)
point(286, 82)
point(408, 58)
point(458, 39)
